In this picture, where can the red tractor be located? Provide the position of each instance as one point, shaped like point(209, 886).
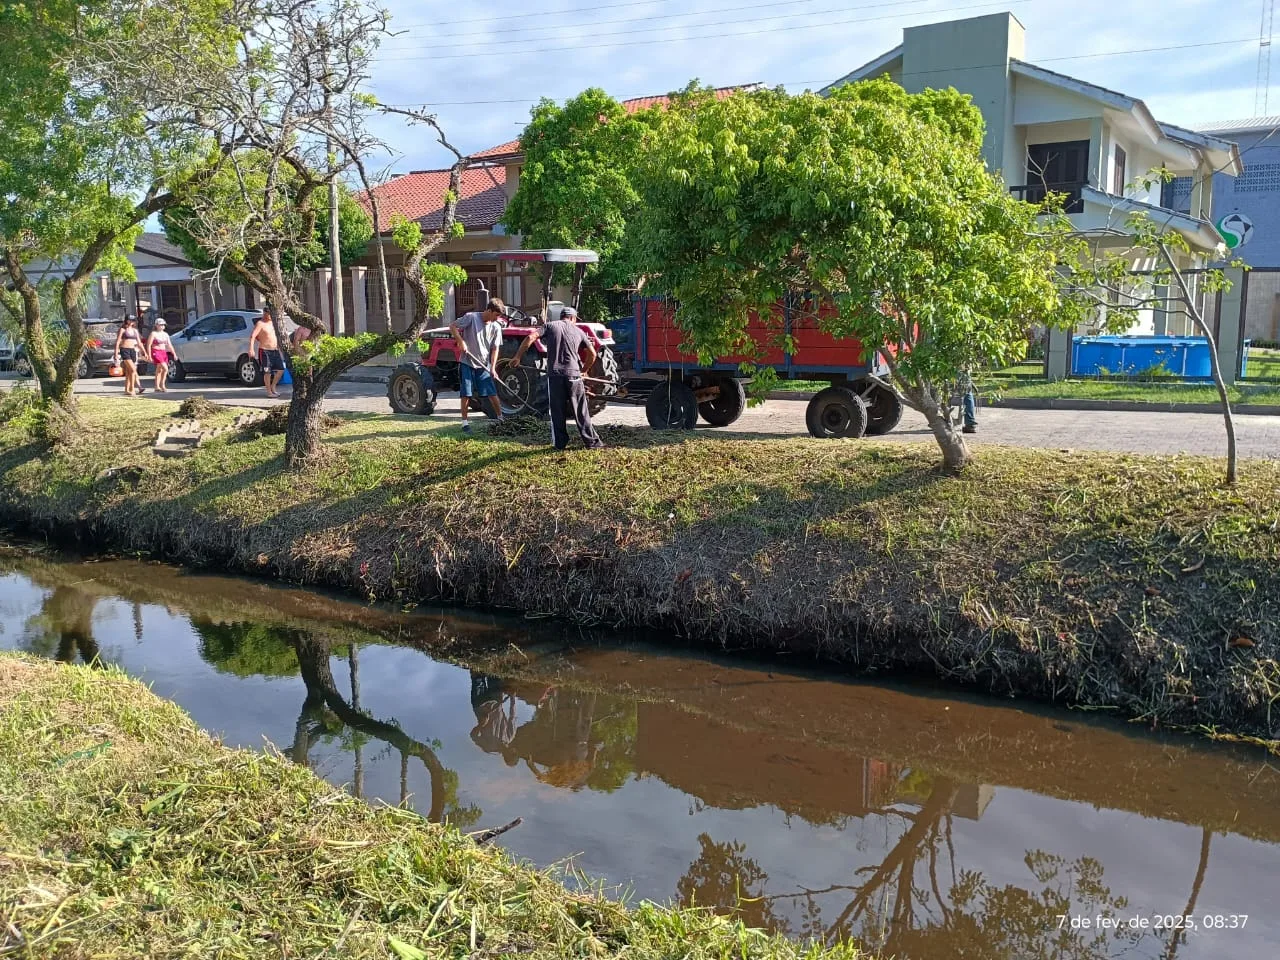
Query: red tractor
point(521, 389)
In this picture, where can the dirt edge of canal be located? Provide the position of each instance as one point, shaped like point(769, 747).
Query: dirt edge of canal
point(1136, 585)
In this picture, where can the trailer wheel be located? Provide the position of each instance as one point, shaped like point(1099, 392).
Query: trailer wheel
point(724, 409)
point(884, 407)
point(672, 406)
point(411, 390)
point(836, 412)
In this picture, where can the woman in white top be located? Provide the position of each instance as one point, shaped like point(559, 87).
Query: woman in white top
point(160, 352)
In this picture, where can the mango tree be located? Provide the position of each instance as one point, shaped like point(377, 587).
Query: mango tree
point(873, 200)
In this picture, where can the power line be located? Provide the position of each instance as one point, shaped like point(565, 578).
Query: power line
point(591, 42)
point(669, 16)
point(795, 83)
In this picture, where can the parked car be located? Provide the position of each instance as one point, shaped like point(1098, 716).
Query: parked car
point(217, 345)
point(7, 351)
point(99, 347)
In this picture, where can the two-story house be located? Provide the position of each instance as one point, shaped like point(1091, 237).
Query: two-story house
point(1047, 131)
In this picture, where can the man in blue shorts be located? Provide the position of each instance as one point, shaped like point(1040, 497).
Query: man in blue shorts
point(479, 335)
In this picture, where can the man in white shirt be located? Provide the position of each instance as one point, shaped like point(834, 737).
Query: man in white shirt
point(478, 336)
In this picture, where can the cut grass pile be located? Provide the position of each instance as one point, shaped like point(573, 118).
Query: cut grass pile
point(1132, 583)
point(127, 832)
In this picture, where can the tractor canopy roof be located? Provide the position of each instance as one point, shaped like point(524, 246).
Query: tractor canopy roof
point(539, 256)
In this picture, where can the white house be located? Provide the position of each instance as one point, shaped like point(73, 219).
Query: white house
point(166, 286)
point(1048, 131)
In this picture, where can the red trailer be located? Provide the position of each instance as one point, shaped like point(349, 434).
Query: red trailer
point(683, 389)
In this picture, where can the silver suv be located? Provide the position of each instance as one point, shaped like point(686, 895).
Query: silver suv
point(217, 344)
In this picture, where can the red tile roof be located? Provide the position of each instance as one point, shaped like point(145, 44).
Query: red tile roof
point(420, 196)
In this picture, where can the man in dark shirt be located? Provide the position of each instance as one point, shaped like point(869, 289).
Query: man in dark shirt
point(565, 389)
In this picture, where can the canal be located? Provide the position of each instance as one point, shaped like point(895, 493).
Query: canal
point(929, 826)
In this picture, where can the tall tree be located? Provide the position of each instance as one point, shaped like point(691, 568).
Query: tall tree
point(874, 200)
point(98, 107)
point(575, 188)
point(300, 114)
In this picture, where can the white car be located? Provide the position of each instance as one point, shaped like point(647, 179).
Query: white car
point(218, 345)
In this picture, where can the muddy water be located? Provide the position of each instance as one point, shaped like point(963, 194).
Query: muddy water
point(928, 826)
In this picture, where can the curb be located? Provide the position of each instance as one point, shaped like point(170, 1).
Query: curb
point(362, 378)
point(1114, 406)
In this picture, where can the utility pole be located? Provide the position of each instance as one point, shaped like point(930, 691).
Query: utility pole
point(335, 253)
point(1263, 85)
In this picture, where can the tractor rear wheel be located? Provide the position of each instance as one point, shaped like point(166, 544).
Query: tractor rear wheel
point(836, 412)
point(522, 390)
point(727, 406)
point(605, 368)
point(672, 406)
point(411, 390)
point(884, 407)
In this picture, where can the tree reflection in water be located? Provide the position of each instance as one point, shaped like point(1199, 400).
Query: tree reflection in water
point(247, 649)
point(63, 629)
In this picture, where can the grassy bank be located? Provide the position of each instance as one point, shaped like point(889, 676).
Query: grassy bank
point(1131, 583)
point(126, 832)
point(1243, 395)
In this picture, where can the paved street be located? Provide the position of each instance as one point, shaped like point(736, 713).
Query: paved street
point(1058, 429)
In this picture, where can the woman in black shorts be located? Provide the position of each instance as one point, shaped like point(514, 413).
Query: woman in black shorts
point(128, 347)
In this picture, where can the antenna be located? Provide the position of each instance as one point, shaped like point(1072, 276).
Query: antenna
point(1264, 59)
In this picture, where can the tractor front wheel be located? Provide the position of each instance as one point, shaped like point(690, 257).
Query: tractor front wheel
point(836, 412)
point(411, 390)
point(672, 406)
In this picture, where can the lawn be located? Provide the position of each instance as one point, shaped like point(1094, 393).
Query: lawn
point(1263, 363)
point(1158, 392)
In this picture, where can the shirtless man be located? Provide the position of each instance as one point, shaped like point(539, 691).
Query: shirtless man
point(265, 348)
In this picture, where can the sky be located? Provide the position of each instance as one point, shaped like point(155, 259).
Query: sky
point(481, 67)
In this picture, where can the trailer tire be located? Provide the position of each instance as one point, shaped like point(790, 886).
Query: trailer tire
point(725, 409)
point(411, 390)
point(672, 406)
point(836, 412)
point(884, 407)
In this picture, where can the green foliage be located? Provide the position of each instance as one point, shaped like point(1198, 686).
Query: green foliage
point(227, 216)
point(314, 355)
point(247, 649)
point(575, 186)
point(22, 409)
point(438, 276)
point(874, 200)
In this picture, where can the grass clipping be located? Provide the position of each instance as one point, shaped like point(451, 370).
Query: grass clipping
point(126, 832)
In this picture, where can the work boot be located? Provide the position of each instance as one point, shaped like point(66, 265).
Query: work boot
point(970, 428)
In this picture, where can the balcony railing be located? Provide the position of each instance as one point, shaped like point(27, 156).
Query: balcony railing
point(1036, 192)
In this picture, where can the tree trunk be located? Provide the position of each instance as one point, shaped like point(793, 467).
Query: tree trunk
point(955, 452)
point(1216, 368)
point(305, 425)
point(73, 312)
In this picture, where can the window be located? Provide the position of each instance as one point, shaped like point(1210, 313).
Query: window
point(115, 293)
point(1057, 168)
point(1117, 172)
point(233, 324)
point(400, 293)
point(203, 327)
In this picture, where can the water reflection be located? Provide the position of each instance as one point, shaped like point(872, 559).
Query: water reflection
point(685, 793)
